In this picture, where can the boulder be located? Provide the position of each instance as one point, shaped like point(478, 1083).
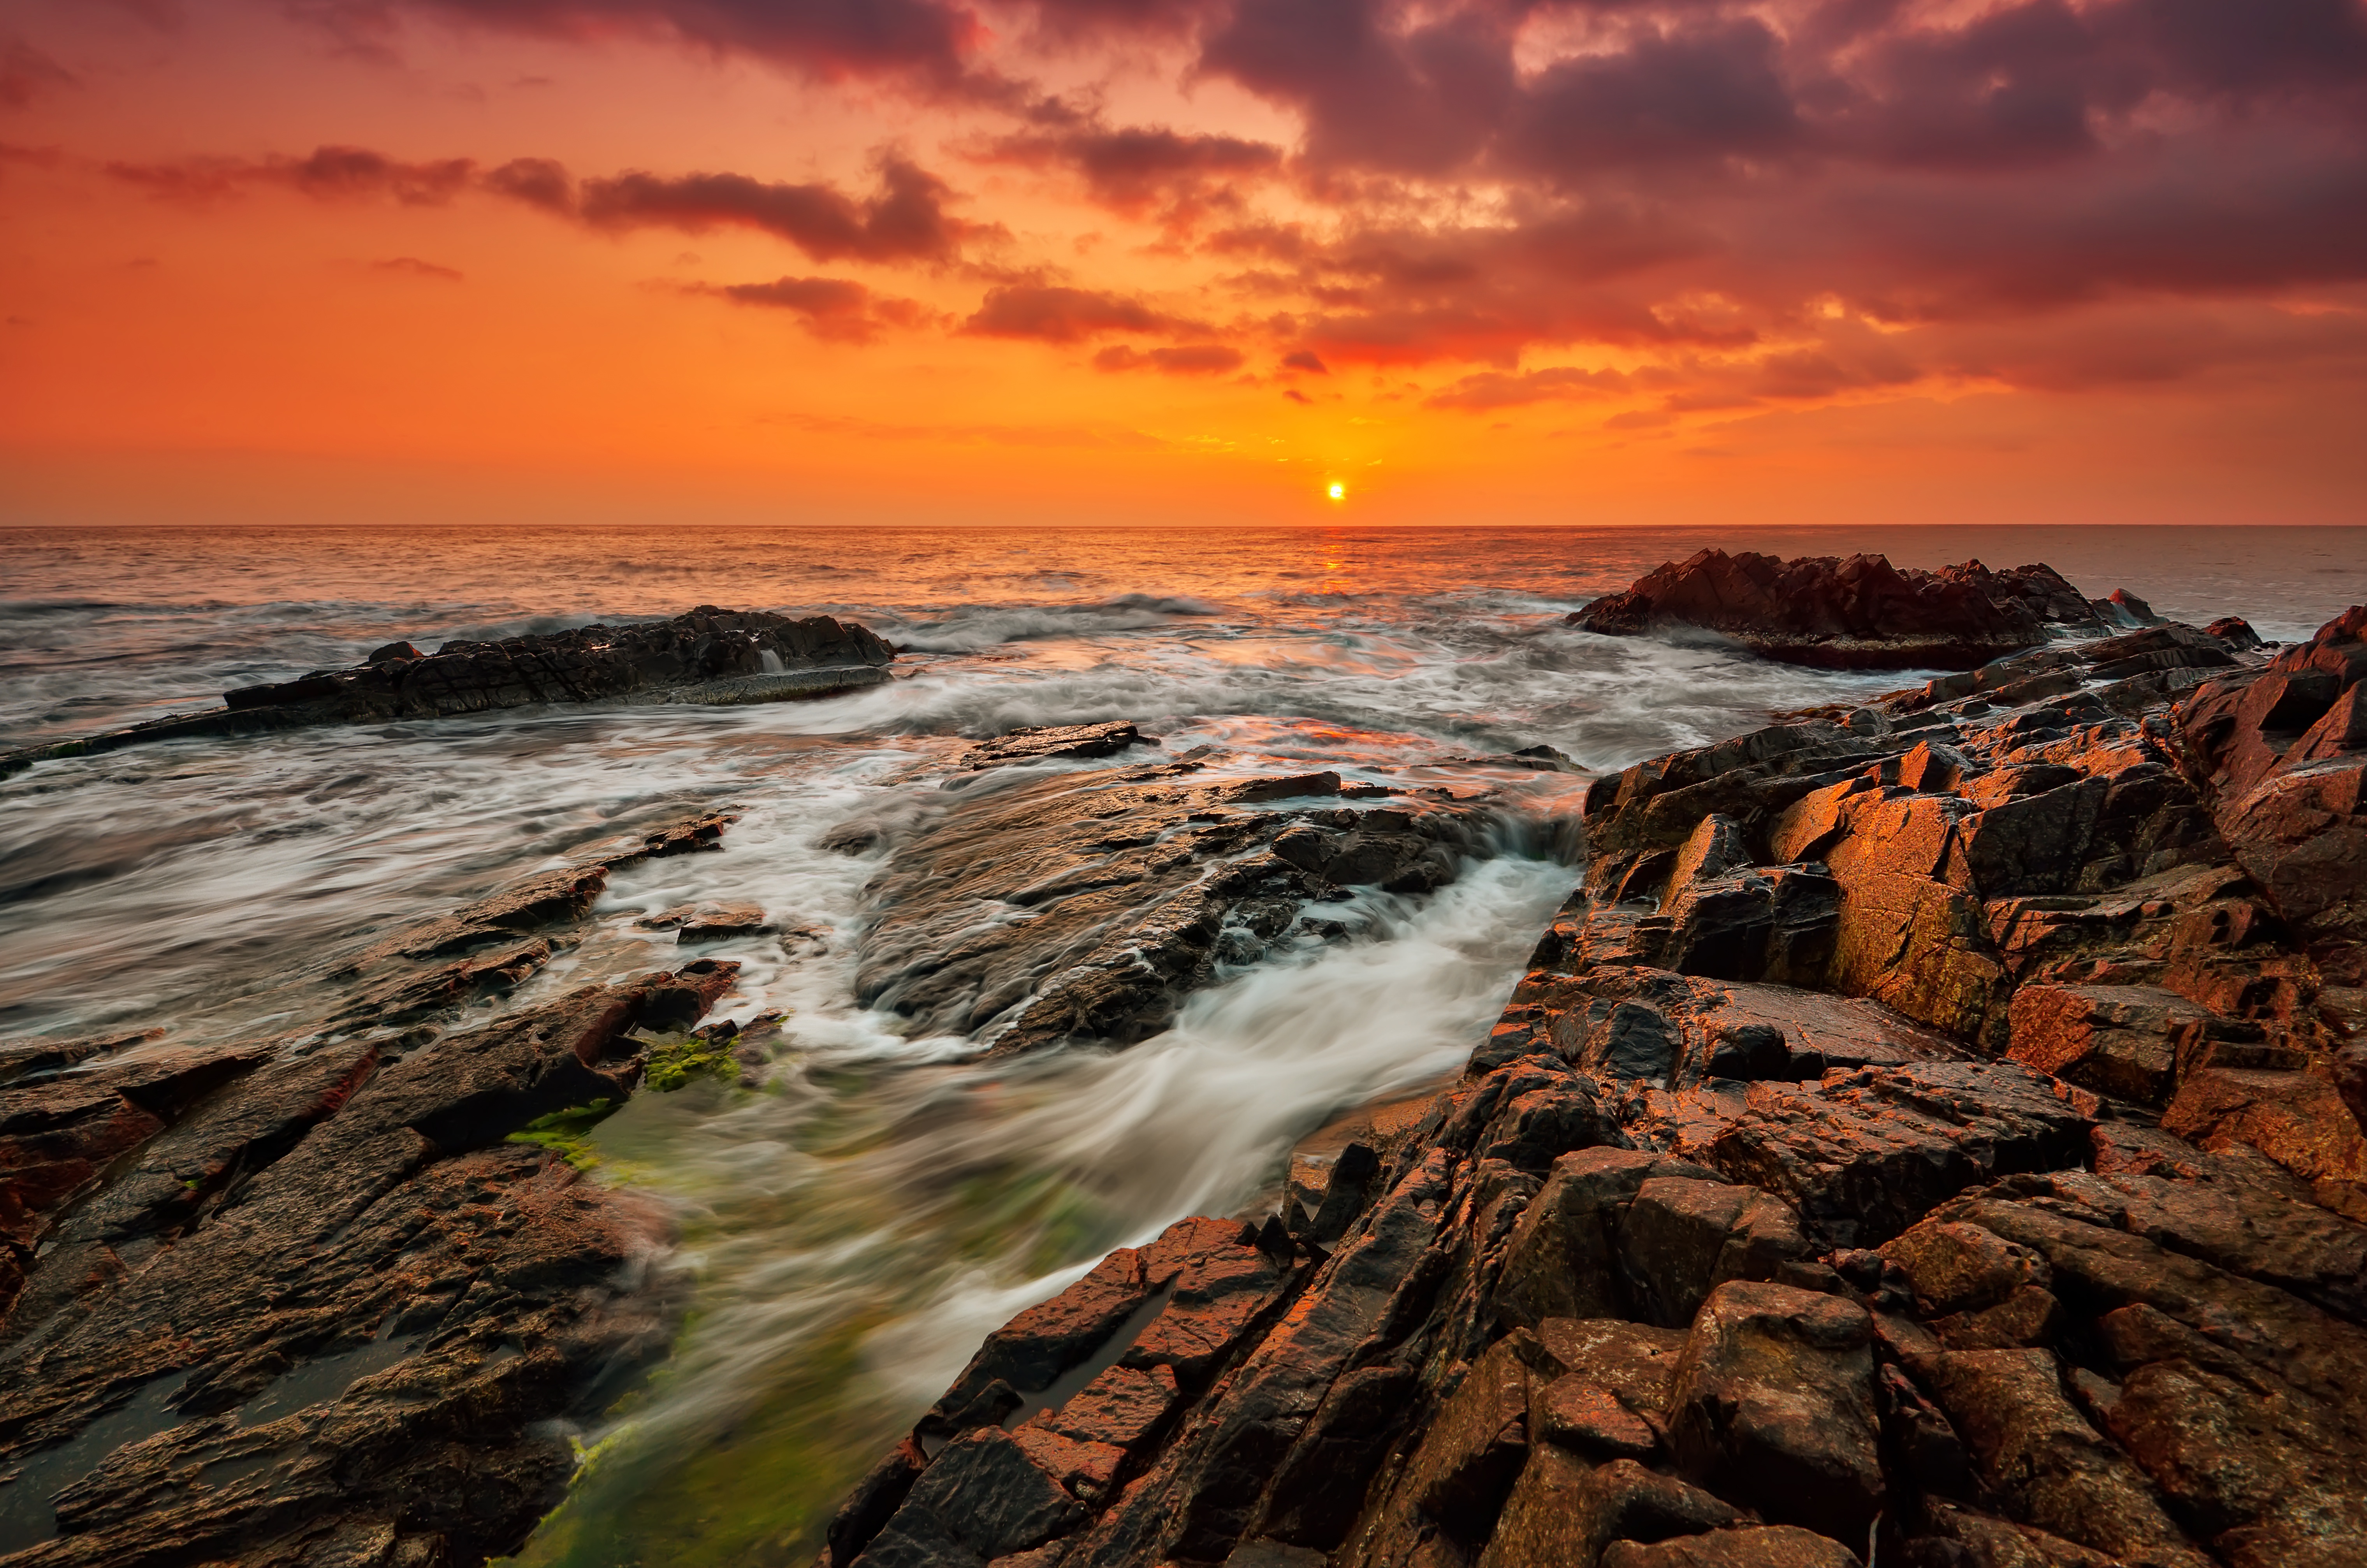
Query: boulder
point(2052, 1467)
point(1771, 1405)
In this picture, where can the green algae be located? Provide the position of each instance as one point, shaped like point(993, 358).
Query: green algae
point(568, 1134)
point(670, 1064)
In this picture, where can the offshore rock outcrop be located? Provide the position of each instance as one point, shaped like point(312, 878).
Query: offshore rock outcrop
point(706, 655)
point(1931, 1135)
point(333, 1297)
point(1858, 614)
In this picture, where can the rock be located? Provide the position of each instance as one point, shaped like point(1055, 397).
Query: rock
point(1131, 877)
point(1859, 614)
point(1580, 1413)
point(2296, 1119)
point(478, 1290)
point(1044, 744)
point(1682, 1236)
point(2119, 1040)
point(1475, 1446)
point(1775, 1546)
point(1561, 1260)
point(984, 1497)
point(708, 922)
point(1862, 1156)
point(2053, 1468)
point(707, 654)
point(1564, 1512)
point(1772, 1404)
point(2084, 1340)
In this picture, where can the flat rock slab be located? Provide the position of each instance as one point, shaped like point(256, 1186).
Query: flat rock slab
point(1054, 743)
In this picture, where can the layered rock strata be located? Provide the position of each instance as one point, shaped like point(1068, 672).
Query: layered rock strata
point(705, 656)
point(1858, 614)
point(334, 1297)
point(1931, 1137)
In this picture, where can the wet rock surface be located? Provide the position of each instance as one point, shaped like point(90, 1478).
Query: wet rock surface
point(1931, 1134)
point(708, 656)
point(1034, 910)
point(1858, 614)
point(337, 1296)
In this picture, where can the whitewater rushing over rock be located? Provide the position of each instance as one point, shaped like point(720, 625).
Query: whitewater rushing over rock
point(419, 1121)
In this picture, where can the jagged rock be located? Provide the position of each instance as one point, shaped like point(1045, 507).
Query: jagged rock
point(1771, 1402)
point(2048, 1463)
point(1683, 1237)
point(703, 655)
point(1859, 614)
point(1861, 1155)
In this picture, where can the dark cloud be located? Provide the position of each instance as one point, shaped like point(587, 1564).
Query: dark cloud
point(327, 173)
point(1139, 170)
point(1182, 359)
point(826, 38)
point(26, 73)
point(1303, 360)
point(837, 308)
point(1424, 99)
point(1055, 313)
point(538, 182)
point(905, 221)
point(1702, 94)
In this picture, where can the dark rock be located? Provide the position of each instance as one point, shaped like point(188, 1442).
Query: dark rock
point(1475, 1446)
point(2052, 1467)
point(705, 655)
point(1132, 876)
point(1771, 1402)
point(1859, 614)
point(393, 652)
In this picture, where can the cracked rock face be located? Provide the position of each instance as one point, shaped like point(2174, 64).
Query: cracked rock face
point(1991, 1200)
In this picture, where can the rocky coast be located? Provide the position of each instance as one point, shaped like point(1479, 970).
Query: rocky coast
point(1930, 1136)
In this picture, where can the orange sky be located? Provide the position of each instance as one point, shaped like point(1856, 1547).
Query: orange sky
point(1107, 261)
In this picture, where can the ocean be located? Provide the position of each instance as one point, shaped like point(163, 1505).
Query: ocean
point(851, 1229)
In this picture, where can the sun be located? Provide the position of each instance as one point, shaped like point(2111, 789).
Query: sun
point(1337, 490)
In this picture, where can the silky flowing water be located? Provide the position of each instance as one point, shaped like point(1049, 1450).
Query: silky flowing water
point(850, 1231)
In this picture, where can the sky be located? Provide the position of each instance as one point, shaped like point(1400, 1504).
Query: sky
point(1100, 261)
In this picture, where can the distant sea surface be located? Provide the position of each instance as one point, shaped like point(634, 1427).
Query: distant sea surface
point(853, 1229)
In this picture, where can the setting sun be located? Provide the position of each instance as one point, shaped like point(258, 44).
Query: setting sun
point(1338, 492)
